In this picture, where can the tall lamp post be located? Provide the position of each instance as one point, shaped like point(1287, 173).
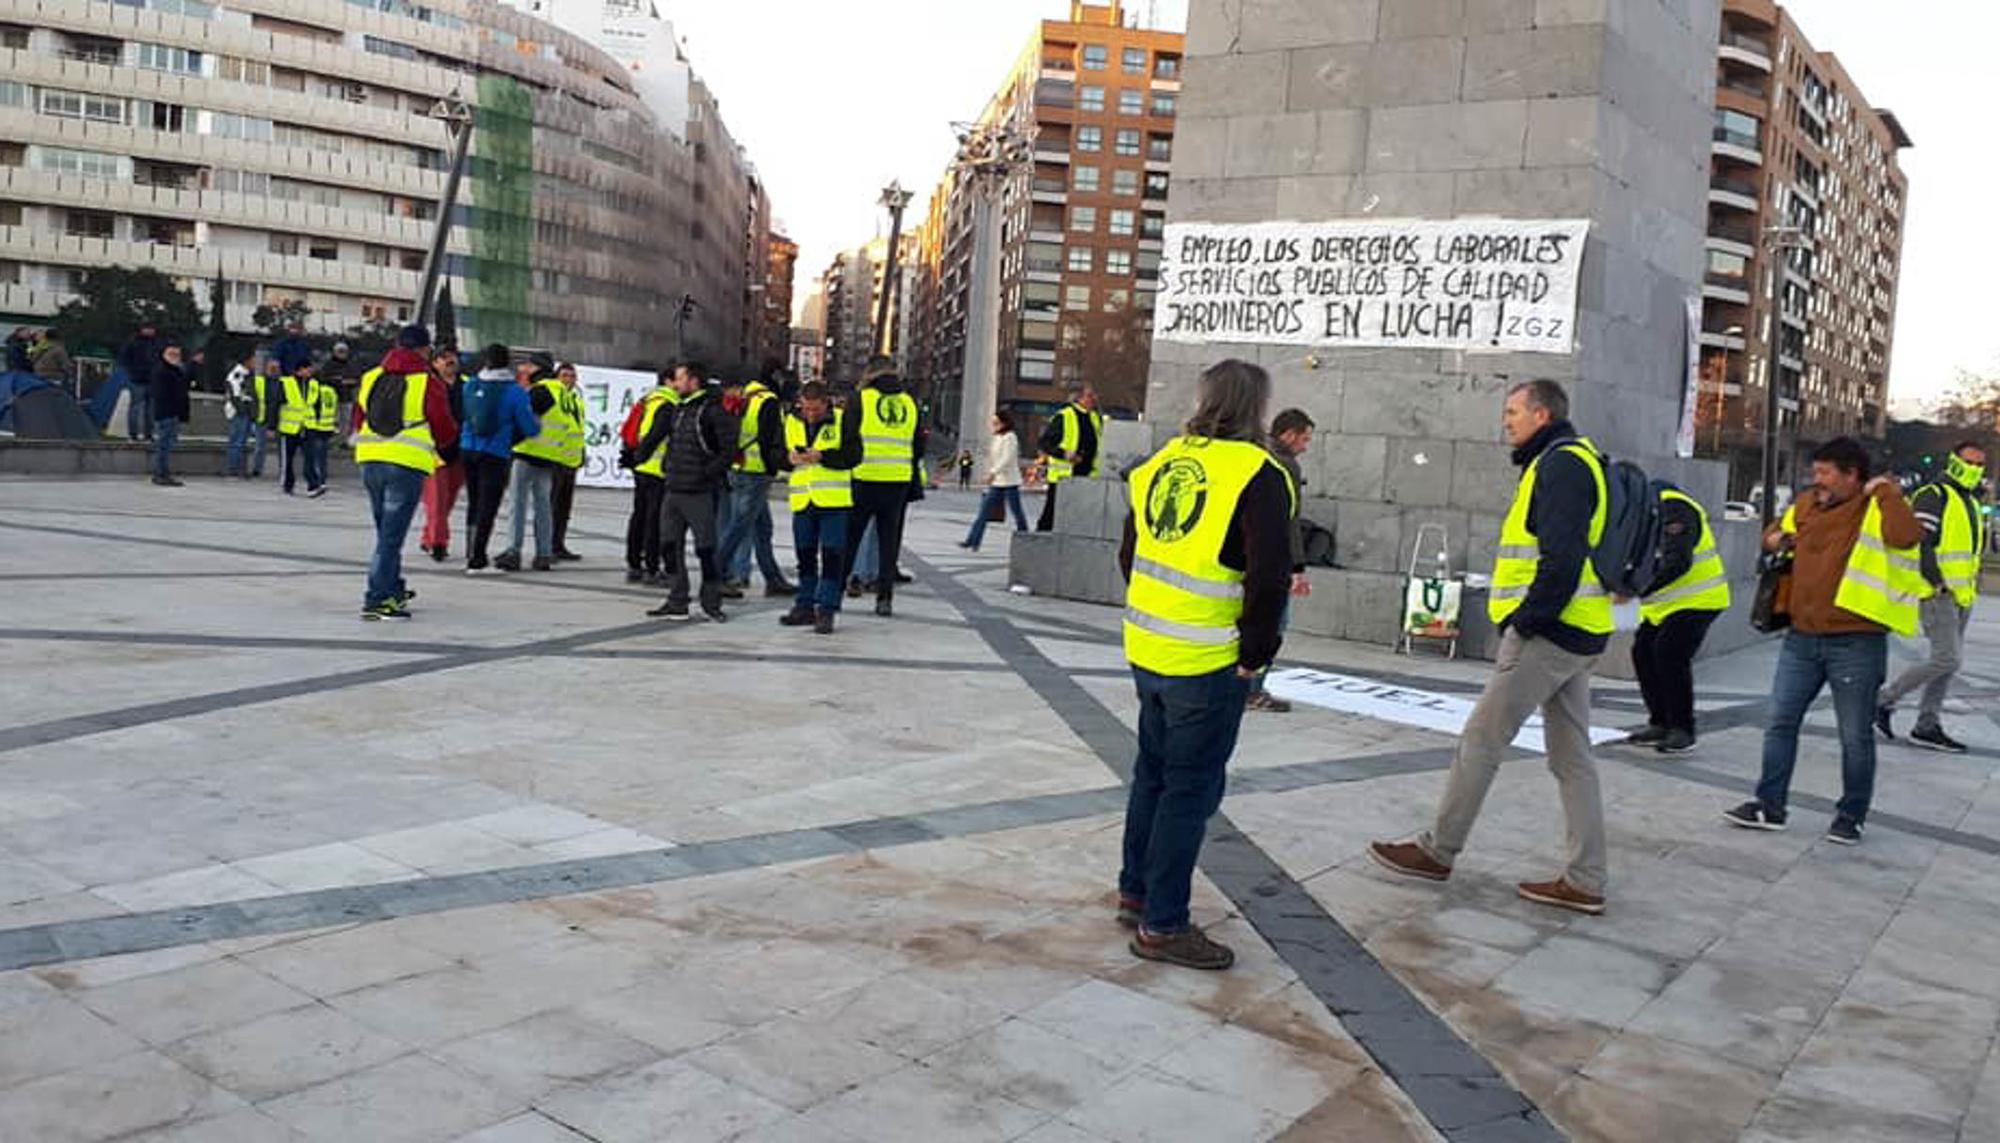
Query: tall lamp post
point(896, 199)
point(1778, 241)
point(457, 117)
point(988, 154)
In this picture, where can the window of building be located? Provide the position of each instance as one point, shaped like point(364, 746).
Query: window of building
point(1160, 147)
point(94, 164)
point(1095, 57)
point(89, 224)
point(1084, 178)
point(225, 126)
point(1122, 222)
point(1153, 225)
point(1116, 301)
point(1166, 67)
point(1090, 138)
point(1040, 297)
point(160, 57)
point(1127, 141)
point(243, 71)
point(1148, 265)
point(1135, 61)
point(1164, 103)
point(1083, 218)
point(1131, 101)
point(163, 116)
point(1124, 182)
point(1032, 370)
point(1076, 297)
point(10, 215)
point(375, 255)
point(391, 48)
point(13, 94)
point(1090, 98)
point(1118, 262)
point(79, 105)
point(14, 36)
point(1726, 265)
point(324, 249)
point(1156, 184)
point(286, 245)
point(1081, 259)
point(411, 260)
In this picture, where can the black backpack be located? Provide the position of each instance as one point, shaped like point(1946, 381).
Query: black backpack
point(1627, 556)
point(384, 413)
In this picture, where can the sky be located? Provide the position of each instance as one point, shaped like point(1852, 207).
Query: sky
point(834, 98)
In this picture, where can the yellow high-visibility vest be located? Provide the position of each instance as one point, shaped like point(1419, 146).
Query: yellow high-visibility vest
point(752, 457)
point(1071, 418)
point(888, 436)
point(1880, 583)
point(323, 403)
point(293, 413)
point(554, 442)
point(412, 446)
point(650, 406)
point(816, 485)
point(1961, 539)
point(1703, 587)
point(1515, 564)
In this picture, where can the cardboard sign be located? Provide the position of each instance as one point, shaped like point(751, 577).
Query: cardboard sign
point(608, 394)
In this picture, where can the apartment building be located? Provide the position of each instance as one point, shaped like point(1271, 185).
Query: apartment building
point(1804, 183)
point(1082, 224)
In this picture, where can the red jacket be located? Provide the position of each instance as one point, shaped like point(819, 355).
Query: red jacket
point(437, 401)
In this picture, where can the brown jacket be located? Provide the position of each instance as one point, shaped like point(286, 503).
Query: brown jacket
point(1825, 537)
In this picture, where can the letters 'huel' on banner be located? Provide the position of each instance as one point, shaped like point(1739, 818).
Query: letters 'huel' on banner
point(1470, 283)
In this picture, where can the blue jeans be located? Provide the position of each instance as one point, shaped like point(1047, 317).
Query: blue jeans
point(166, 432)
point(820, 537)
point(1854, 665)
point(139, 411)
point(240, 429)
point(316, 446)
point(995, 494)
point(393, 495)
point(1187, 731)
point(533, 484)
point(867, 555)
point(261, 437)
point(746, 525)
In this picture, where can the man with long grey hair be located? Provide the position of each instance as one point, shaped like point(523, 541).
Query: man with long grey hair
point(1207, 559)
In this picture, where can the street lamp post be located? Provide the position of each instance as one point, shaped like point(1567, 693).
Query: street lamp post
point(457, 117)
point(1778, 240)
point(896, 199)
point(988, 154)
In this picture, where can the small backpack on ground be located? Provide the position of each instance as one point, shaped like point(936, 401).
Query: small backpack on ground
point(1627, 556)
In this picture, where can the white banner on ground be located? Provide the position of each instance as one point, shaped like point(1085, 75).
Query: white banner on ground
point(608, 394)
point(1351, 694)
point(1469, 283)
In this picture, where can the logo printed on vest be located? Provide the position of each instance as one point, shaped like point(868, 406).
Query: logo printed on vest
point(889, 410)
point(1176, 498)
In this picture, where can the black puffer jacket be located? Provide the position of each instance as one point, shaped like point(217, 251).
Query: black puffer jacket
point(700, 438)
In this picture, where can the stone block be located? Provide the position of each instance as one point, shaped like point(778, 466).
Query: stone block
point(1542, 192)
point(1346, 465)
point(1088, 570)
point(1285, 143)
point(1421, 71)
point(1457, 527)
point(1448, 136)
point(1297, 383)
point(1483, 478)
point(1372, 607)
point(1329, 76)
point(1406, 19)
point(1482, 542)
point(1401, 195)
point(1342, 142)
point(1213, 29)
point(1267, 24)
point(1419, 473)
point(1250, 83)
point(1321, 510)
point(1125, 443)
point(1081, 508)
point(1487, 16)
point(1456, 408)
point(1201, 148)
point(1549, 13)
point(1313, 198)
point(1370, 536)
point(1320, 613)
point(1562, 132)
point(1544, 63)
point(1222, 200)
point(1035, 561)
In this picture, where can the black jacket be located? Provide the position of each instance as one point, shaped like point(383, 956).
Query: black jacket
point(140, 359)
point(1050, 441)
point(1929, 504)
point(1680, 532)
point(770, 442)
point(1559, 511)
point(700, 439)
point(170, 391)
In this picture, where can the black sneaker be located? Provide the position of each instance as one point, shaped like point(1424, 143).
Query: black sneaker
point(1844, 831)
point(853, 588)
point(884, 608)
point(543, 563)
point(1934, 738)
point(780, 589)
point(439, 553)
point(389, 609)
point(567, 556)
point(1754, 815)
point(822, 622)
point(797, 617)
point(654, 579)
point(1189, 948)
point(1649, 736)
point(508, 561)
point(904, 577)
point(1883, 727)
point(316, 493)
point(715, 614)
point(674, 612)
point(732, 590)
point(1676, 741)
point(634, 575)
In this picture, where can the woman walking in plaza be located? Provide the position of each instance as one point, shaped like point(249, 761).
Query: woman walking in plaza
point(1003, 481)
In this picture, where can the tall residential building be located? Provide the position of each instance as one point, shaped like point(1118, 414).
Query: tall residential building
point(289, 148)
point(847, 285)
point(1795, 146)
point(781, 261)
point(1082, 224)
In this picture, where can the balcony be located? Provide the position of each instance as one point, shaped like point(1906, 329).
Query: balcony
point(1742, 85)
point(1740, 240)
point(1723, 337)
point(1739, 194)
point(1736, 145)
point(1726, 288)
point(1751, 51)
point(1049, 151)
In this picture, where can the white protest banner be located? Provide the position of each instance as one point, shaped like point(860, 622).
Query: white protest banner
point(1351, 694)
point(608, 394)
point(1691, 400)
point(1469, 283)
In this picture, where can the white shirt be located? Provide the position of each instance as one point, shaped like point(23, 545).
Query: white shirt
point(239, 401)
point(1003, 460)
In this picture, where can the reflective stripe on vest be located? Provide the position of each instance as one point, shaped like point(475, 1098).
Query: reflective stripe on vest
point(259, 385)
point(1071, 418)
point(1960, 540)
point(553, 442)
point(1880, 584)
point(1516, 559)
point(412, 446)
point(1183, 603)
point(1703, 587)
point(888, 436)
point(654, 465)
point(323, 407)
point(815, 485)
point(749, 457)
point(292, 414)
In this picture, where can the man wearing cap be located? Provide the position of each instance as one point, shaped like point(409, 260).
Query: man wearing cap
point(404, 424)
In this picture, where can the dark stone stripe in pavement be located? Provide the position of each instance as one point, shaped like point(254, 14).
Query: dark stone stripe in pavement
point(192, 639)
point(63, 941)
point(1456, 1088)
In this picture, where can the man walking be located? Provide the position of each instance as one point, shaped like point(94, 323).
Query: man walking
point(535, 462)
point(822, 448)
point(497, 417)
point(139, 359)
point(322, 421)
point(404, 423)
point(170, 408)
point(1069, 445)
point(1291, 436)
point(1674, 620)
point(887, 419)
point(760, 451)
point(699, 438)
point(1855, 578)
point(1207, 557)
point(649, 486)
point(298, 396)
point(441, 490)
point(1555, 618)
point(1954, 540)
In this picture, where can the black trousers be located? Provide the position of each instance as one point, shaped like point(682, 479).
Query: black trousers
point(685, 512)
point(485, 490)
point(1663, 658)
point(885, 505)
point(291, 457)
point(1047, 523)
point(562, 497)
point(642, 529)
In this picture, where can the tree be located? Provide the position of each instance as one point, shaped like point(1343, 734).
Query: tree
point(114, 302)
point(1974, 402)
point(446, 322)
point(281, 317)
point(219, 347)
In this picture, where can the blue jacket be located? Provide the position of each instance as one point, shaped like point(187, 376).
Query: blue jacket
point(516, 421)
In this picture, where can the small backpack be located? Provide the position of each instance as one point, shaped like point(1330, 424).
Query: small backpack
point(385, 404)
point(482, 407)
point(1627, 556)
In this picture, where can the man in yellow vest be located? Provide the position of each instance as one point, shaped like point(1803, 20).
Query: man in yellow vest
point(298, 397)
point(1954, 540)
point(698, 437)
point(322, 421)
point(886, 418)
point(1855, 578)
point(1207, 556)
point(404, 426)
point(649, 486)
point(746, 508)
point(1070, 444)
point(562, 485)
point(1692, 588)
point(535, 463)
point(821, 449)
point(1554, 617)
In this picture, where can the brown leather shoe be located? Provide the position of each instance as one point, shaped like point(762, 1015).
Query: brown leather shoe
point(1189, 948)
point(1562, 895)
point(1409, 859)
